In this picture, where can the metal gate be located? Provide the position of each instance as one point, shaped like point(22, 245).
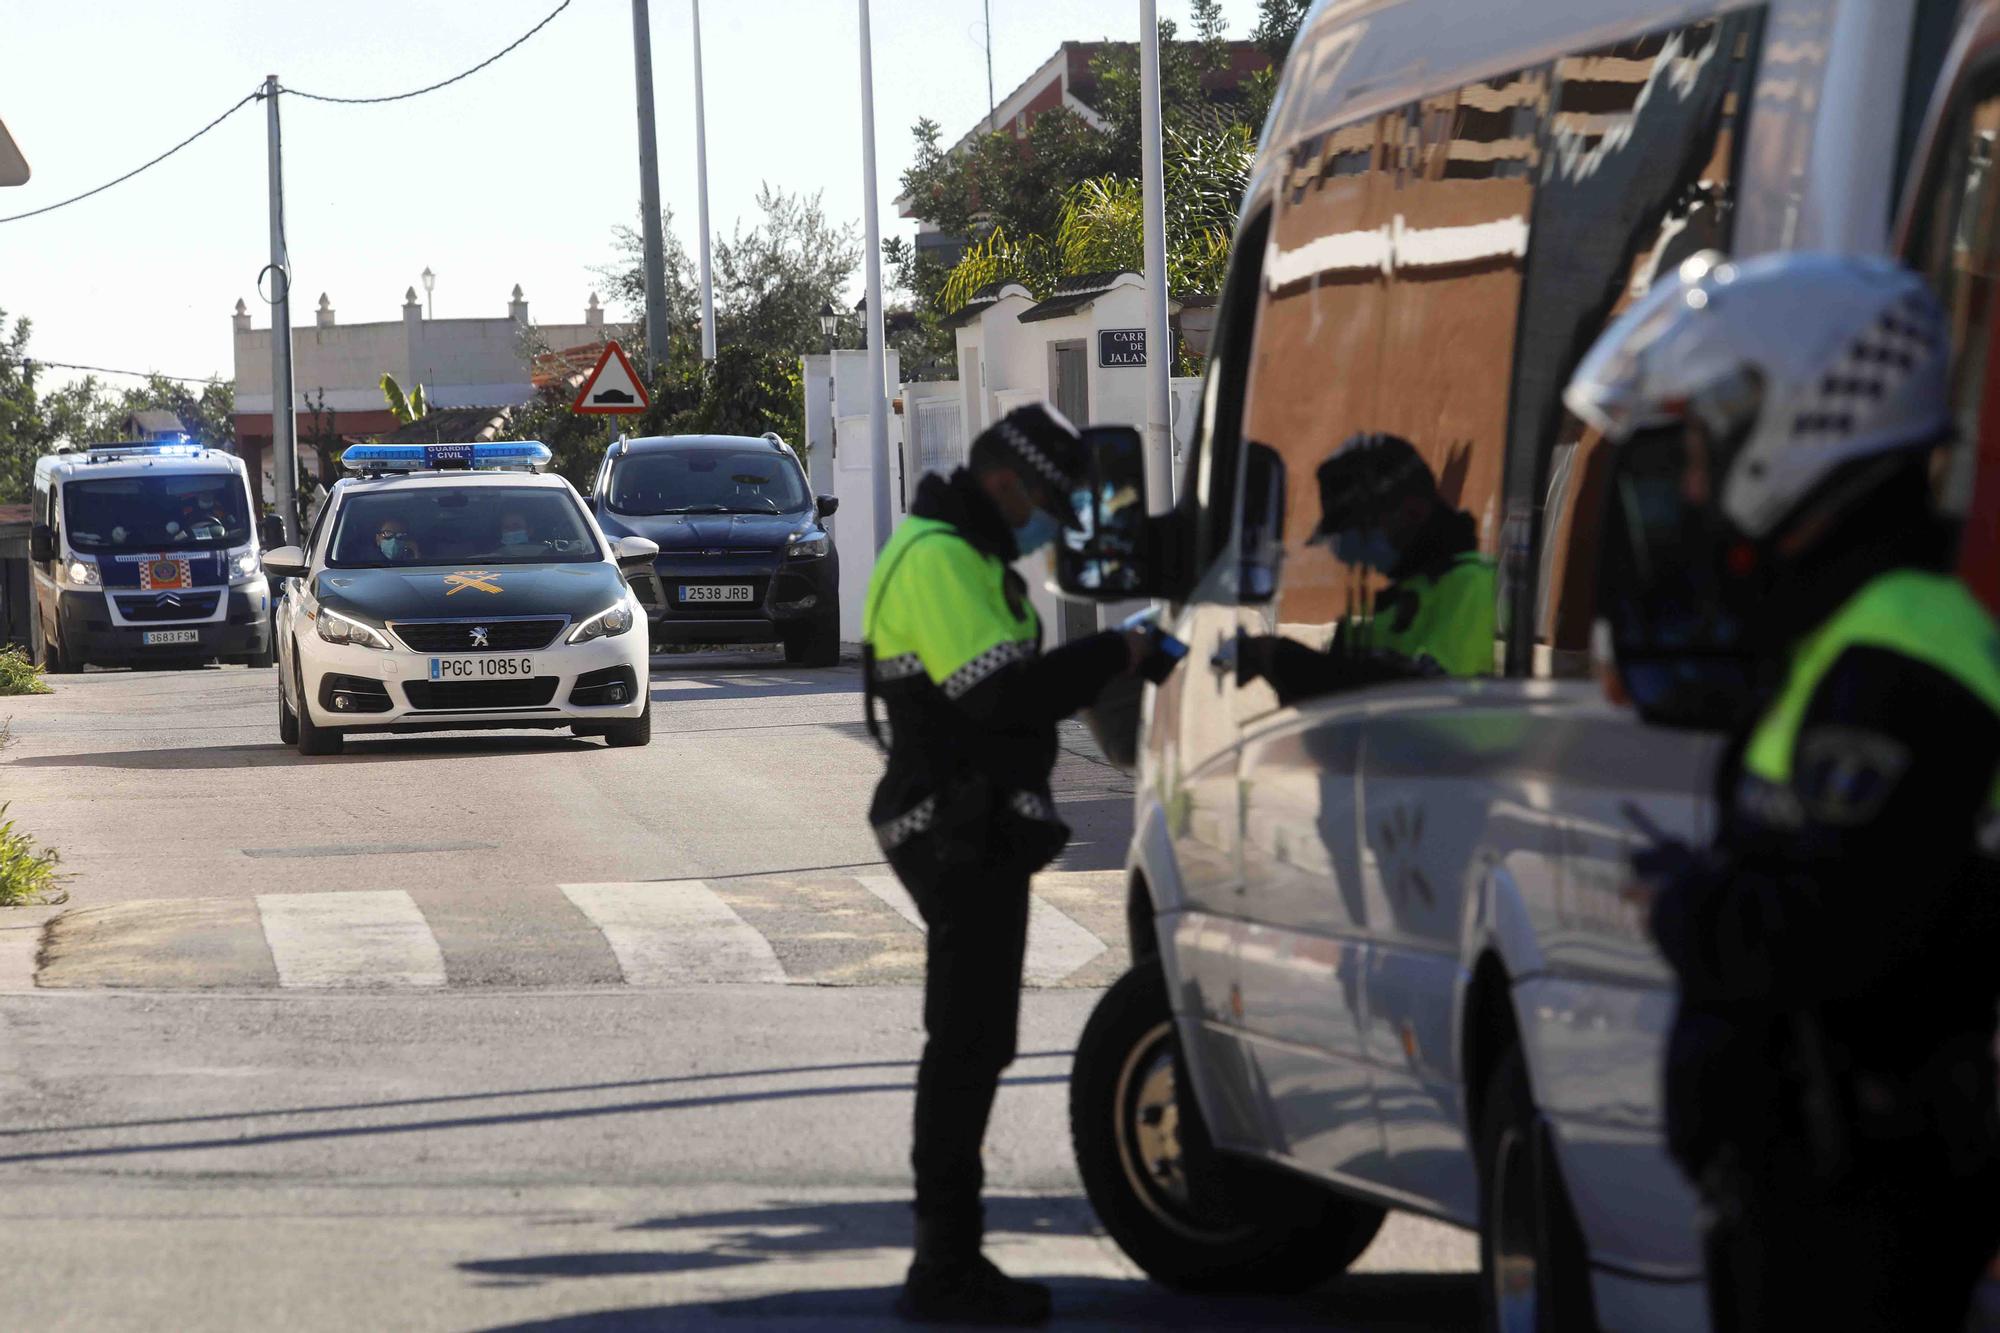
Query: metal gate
point(937, 428)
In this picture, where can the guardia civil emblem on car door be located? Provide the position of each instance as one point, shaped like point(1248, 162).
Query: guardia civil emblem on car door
point(479, 637)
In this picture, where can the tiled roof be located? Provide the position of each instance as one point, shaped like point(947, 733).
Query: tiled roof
point(451, 424)
point(1073, 294)
point(977, 303)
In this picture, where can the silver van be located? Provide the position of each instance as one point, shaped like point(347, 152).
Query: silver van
point(1382, 959)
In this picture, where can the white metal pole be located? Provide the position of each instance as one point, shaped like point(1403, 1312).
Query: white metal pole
point(284, 424)
point(1159, 336)
point(878, 361)
point(701, 174)
point(653, 240)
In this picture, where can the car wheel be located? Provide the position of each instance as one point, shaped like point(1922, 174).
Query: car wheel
point(288, 721)
point(1190, 1216)
point(313, 739)
point(816, 644)
point(263, 661)
point(1533, 1269)
point(639, 731)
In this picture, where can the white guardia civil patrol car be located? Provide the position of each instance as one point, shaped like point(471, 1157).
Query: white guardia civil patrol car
point(454, 586)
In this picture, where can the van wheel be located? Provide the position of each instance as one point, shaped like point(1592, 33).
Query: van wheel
point(1534, 1273)
point(57, 659)
point(313, 739)
point(1193, 1218)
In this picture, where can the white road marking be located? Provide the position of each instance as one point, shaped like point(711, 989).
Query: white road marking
point(675, 933)
point(1057, 945)
point(367, 938)
point(685, 685)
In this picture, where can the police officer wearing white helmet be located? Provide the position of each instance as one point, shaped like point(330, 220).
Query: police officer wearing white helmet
point(1776, 566)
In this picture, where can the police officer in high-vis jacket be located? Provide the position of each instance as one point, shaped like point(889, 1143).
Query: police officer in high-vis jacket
point(1381, 511)
point(953, 655)
point(1776, 565)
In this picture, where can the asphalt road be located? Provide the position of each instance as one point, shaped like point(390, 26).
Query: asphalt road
point(521, 1032)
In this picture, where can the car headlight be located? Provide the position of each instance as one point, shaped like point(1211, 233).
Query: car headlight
point(80, 574)
point(611, 620)
point(808, 547)
point(243, 567)
point(336, 628)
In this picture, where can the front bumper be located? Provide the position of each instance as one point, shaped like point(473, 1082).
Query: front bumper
point(369, 689)
point(782, 593)
point(235, 622)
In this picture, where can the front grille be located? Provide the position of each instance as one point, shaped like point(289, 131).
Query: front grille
point(148, 608)
point(452, 695)
point(456, 636)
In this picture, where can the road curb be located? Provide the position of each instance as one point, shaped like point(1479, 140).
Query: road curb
point(21, 930)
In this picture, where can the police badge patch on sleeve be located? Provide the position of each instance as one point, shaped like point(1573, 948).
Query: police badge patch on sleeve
point(1845, 774)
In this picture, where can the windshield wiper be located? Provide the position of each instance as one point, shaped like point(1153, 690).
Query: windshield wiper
point(697, 509)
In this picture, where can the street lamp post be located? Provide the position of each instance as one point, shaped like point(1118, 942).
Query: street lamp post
point(829, 328)
point(430, 282)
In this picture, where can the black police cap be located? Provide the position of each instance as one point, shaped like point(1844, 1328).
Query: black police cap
point(1048, 450)
point(1366, 475)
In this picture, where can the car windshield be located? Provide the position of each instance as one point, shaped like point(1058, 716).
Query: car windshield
point(438, 523)
point(158, 511)
point(714, 479)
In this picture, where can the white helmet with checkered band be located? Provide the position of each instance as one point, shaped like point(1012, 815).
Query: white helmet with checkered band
point(1793, 366)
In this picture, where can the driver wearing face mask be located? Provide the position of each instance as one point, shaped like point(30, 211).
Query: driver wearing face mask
point(1381, 513)
point(515, 536)
point(393, 540)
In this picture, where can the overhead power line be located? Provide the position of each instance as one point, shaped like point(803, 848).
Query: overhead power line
point(107, 370)
point(50, 208)
point(446, 83)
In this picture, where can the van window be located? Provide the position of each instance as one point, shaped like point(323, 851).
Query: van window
point(1391, 292)
point(1640, 173)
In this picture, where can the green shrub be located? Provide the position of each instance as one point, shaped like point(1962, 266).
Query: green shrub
point(18, 675)
point(27, 872)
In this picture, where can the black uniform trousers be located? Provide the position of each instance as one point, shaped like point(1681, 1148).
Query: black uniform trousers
point(977, 940)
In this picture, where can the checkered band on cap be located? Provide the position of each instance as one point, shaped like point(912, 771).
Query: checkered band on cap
point(1044, 440)
point(1873, 368)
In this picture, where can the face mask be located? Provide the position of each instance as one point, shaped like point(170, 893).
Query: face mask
point(1365, 546)
point(1040, 529)
point(514, 537)
point(392, 547)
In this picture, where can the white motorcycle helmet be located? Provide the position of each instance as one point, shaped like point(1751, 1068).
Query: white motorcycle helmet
point(1746, 401)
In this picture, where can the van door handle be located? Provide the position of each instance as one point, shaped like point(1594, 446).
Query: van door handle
point(1223, 660)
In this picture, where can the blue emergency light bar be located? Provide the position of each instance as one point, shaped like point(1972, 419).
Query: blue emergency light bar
point(523, 455)
point(106, 453)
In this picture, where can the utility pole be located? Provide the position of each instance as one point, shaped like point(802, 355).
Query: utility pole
point(878, 360)
point(990, 104)
point(1159, 335)
point(284, 420)
point(701, 175)
point(649, 189)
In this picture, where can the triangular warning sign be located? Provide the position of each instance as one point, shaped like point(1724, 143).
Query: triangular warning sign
point(613, 387)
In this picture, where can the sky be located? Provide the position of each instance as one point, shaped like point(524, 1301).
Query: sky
point(516, 175)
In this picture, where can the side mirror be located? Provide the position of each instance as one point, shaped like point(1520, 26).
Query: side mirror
point(827, 504)
point(1262, 548)
point(634, 552)
point(285, 562)
point(1116, 555)
point(41, 543)
point(272, 530)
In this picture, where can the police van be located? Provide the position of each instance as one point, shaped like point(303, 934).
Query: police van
point(144, 555)
point(1382, 956)
point(450, 587)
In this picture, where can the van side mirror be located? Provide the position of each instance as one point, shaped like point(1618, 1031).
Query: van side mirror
point(827, 504)
point(41, 543)
point(1262, 548)
point(285, 562)
point(272, 530)
point(1116, 554)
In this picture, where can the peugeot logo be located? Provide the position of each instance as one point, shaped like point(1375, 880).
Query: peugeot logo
point(479, 637)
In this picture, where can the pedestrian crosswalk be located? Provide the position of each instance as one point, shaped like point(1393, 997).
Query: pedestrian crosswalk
point(814, 929)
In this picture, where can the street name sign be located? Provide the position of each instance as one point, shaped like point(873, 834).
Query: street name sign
point(613, 387)
point(1121, 347)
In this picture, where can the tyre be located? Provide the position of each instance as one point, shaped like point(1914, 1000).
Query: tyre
point(816, 644)
point(1534, 1273)
point(288, 721)
point(57, 659)
point(639, 731)
point(313, 739)
point(263, 661)
point(1192, 1217)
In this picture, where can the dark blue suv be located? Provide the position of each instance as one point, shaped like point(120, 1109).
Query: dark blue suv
point(743, 557)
